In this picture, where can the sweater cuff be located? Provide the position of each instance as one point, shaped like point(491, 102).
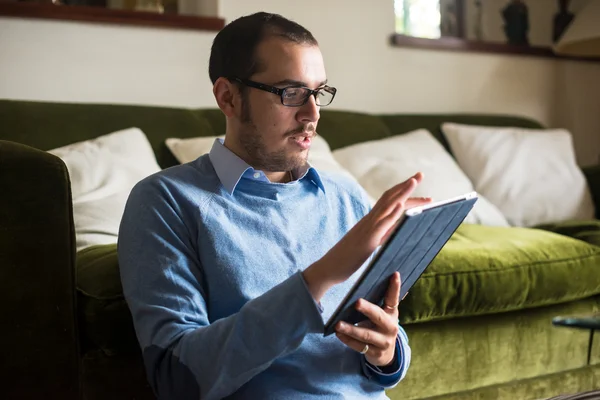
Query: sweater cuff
point(313, 307)
point(389, 375)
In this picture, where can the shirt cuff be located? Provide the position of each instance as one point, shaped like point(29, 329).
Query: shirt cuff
point(390, 375)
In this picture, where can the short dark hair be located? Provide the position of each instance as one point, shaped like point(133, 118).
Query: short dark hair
point(233, 49)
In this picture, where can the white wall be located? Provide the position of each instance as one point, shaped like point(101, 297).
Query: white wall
point(67, 61)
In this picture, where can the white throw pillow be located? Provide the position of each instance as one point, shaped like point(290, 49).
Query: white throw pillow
point(187, 150)
point(319, 156)
point(380, 164)
point(103, 171)
point(530, 174)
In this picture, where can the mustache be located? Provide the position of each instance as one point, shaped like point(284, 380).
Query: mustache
point(310, 129)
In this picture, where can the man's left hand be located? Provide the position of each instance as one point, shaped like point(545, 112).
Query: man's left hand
point(375, 338)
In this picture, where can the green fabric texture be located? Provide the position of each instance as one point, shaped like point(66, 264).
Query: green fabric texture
point(463, 354)
point(485, 270)
point(50, 125)
point(403, 123)
point(587, 231)
point(104, 316)
point(39, 335)
point(342, 128)
point(595, 351)
point(98, 272)
point(544, 387)
point(592, 174)
point(66, 123)
point(481, 270)
point(214, 118)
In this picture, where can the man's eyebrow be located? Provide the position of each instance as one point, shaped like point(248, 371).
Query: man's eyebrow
point(292, 82)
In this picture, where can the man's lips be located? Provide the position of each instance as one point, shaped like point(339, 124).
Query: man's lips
point(302, 135)
point(305, 133)
point(302, 140)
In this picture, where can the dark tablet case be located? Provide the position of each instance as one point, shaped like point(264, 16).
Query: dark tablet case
point(409, 250)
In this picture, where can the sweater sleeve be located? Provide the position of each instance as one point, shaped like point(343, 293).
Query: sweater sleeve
point(397, 371)
point(186, 356)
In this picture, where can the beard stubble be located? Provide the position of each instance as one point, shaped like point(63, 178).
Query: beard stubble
point(254, 145)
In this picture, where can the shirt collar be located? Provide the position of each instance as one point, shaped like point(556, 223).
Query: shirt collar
point(230, 169)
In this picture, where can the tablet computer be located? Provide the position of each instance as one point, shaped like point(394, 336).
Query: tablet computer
point(420, 234)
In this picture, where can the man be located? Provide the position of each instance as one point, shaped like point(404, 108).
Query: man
point(231, 263)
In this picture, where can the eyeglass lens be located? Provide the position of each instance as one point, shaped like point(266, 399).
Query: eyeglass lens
point(298, 96)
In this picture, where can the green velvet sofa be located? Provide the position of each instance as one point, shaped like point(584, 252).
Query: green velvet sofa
point(479, 320)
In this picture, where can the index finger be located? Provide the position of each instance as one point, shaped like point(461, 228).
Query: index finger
point(402, 191)
point(396, 196)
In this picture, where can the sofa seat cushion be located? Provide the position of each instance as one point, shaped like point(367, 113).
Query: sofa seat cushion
point(588, 231)
point(481, 270)
point(104, 318)
point(493, 357)
point(486, 270)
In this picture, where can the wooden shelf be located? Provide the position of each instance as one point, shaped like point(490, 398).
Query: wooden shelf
point(108, 16)
point(457, 44)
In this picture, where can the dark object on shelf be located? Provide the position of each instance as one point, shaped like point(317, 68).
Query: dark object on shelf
point(516, 22)
point(109, 16)
point(88, 3)
point(478, 28)
point(562, 20)
point(449, 20)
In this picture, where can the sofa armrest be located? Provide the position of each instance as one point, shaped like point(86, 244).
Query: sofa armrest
point(592, 174)
point(37, 258)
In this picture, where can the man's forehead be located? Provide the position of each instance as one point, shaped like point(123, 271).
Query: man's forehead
point(283, 61)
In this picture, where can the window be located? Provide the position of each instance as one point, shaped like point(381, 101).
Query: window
point(420, 18)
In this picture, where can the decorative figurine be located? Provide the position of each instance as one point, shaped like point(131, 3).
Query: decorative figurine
point(516, 22)
point(478, 29)
point(449, 20)
point(562, 19)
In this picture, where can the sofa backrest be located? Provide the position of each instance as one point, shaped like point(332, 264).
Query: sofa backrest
point(48, 125)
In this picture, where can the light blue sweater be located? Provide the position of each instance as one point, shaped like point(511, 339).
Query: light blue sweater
point(211, 255)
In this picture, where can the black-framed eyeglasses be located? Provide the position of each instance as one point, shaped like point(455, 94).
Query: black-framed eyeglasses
point(294, 96)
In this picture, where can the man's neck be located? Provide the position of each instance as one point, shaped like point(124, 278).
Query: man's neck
point(279, 177)
point(275, 177)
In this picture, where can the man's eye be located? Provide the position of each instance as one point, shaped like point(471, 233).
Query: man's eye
point(293, 93)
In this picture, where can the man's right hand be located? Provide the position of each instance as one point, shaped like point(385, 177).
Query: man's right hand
point(359, 243)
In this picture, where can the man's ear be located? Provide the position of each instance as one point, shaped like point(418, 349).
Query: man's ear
point(228, 97)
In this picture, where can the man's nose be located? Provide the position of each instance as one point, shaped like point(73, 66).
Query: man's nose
point(309, 112)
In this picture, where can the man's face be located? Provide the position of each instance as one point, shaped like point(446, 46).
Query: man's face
point(269, 135)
